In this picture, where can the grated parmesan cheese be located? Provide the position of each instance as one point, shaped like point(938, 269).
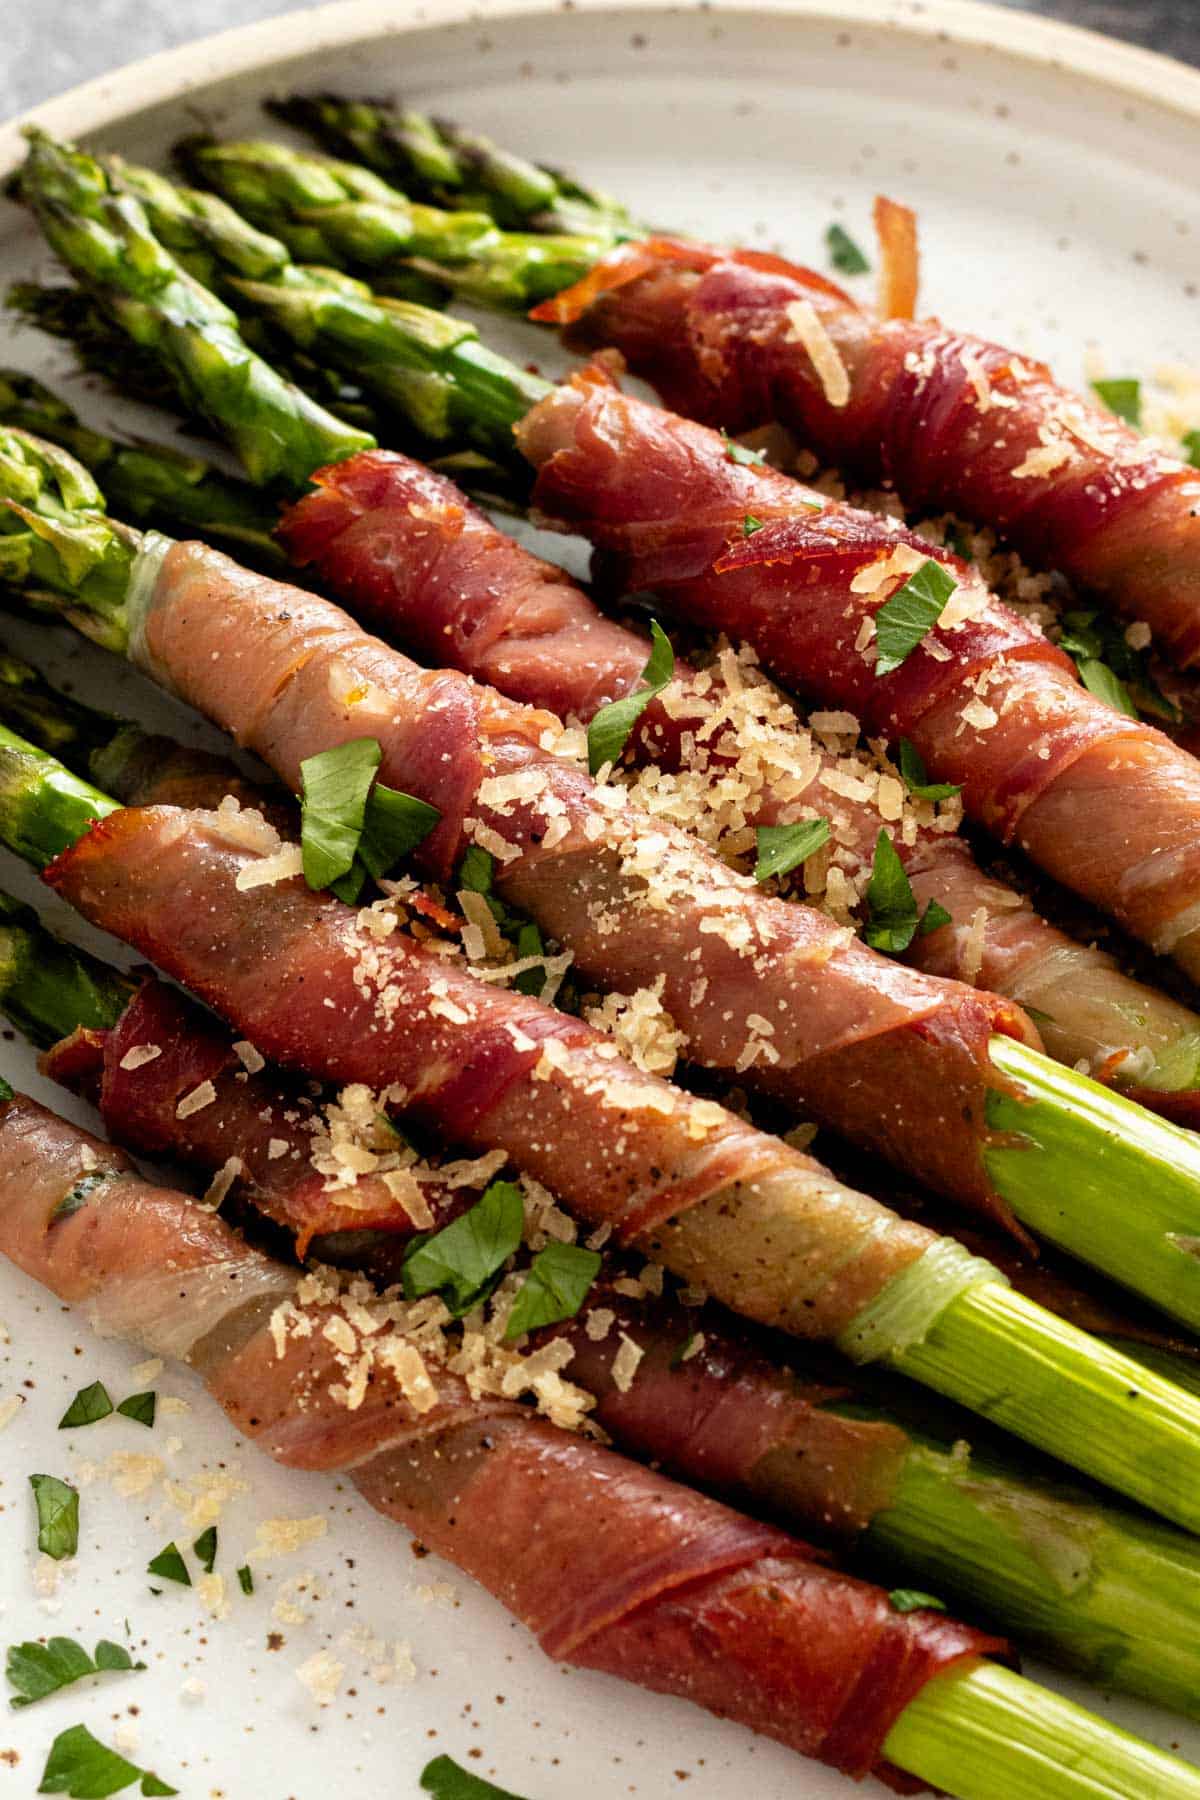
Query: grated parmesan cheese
point(807, 328)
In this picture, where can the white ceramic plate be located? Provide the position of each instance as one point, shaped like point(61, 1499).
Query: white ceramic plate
point(1057, 177)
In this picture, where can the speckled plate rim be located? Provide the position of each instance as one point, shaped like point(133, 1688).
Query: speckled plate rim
point(171, 74)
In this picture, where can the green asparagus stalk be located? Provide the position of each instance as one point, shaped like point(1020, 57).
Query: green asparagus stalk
point(445, 165)
point(335, 213)
point(49, 988)
point(947, 1319)
point(148, 484)
point(164, 309)
point(1100, 1590)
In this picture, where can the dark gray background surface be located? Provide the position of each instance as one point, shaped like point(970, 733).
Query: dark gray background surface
point(49, 45)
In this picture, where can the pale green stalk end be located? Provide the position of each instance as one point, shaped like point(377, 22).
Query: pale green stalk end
point(981, 1732)
point(1098, 1175)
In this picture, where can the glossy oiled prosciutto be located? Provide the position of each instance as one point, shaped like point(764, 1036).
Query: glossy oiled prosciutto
point(620, 1570)
point(426, 567)
point(313, 988)
point(1107, 805)
point(950, 420)
point(776, 994)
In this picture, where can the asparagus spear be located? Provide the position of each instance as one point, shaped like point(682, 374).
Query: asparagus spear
point(438, 369)
point(165, 310)
point(149, 484)
point(329, 212)
point(444, 164)
point(968, 1523)
point(946, 1319)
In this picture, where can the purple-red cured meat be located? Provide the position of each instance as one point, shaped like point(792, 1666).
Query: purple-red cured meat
point(951, 420)
point(259, 1126)
point(314, 989)
point(428, 569)
point(625, 1572)
point(778, 995)
point(1109, 806)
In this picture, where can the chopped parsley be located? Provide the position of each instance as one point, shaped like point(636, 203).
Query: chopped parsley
point(1122, 395)
point(750, 524)
point(7, 1092)
point(170, 1566)
point(464, 1261)
point(1100, 680)
point(351, 826)
point(903, 620)
point(529, 943)
point(892, 917)
point(36, 1670)
point(915, 779)
point(1191, 446)
point(83, 1768)
point(782, 848)
point(906, 1600)
point(683, 1351)
point(844, 253)
point(447, 1780)
point(1111, 668)
point(57, 1516)
point(610, 729)
point(555, 1288)
point(139, 1407)
point(77, 1197)
point(245, 1577)
point(90, 1405)
point(742, 454)
point(205, 1549)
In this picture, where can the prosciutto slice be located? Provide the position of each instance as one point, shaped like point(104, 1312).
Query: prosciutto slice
point(1107, 805)
point(951, 421)
point(258, 1128)
point(315, 989)
point(428, 569)
point(778, 995)
point(626, 1572)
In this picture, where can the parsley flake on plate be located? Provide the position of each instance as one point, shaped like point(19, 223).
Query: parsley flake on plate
point(140, 1407)
point(170, 1566)
point(90, 1405)
point(83, 1768)
point(447, 1780)
point(844, 253)
point(36, 1670)
point(57, 1516)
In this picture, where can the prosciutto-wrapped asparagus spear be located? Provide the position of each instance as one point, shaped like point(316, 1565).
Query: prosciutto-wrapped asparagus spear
point(454, 588)
point(736, 338)
point(703, 1403)
point(209, 896)
point(626, 1572)
point(457, 590)
point(1141, 863)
